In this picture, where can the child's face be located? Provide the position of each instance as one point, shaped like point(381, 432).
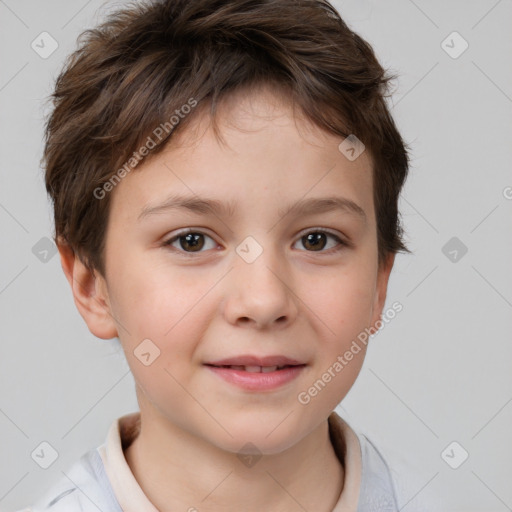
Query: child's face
point(205, 300)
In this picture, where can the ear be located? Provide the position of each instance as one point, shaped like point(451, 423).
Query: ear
point(381, 288)
point(90, 294)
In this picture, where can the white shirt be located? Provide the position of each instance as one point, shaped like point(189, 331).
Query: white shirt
point(102, 479)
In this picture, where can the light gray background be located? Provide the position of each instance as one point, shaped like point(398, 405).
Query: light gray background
point(439, 372)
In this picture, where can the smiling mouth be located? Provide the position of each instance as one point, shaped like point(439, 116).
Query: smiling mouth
point(255, 369)
point(255, 378)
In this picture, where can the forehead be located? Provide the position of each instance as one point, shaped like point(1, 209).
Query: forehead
point(246, 111)
point(264, 149)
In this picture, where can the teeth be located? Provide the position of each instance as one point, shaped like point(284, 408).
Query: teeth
point(256, 369)
point(252, 369)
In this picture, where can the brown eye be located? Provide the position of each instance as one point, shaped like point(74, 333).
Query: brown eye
point(189, 242)
point(317, 240)
point(193, 241)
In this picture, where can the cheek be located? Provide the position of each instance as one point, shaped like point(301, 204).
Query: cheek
point(343, 302)
point(168, 309)
point(172, 309)
point(156, 296)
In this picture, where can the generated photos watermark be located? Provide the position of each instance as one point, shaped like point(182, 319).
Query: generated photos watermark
point(305, 397)
point(159, 133)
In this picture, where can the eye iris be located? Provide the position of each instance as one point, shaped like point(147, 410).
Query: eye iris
point(315, 241)
point(314, 238)
point(192, 239)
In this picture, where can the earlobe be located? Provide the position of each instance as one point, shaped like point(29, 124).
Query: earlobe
point(89, 293)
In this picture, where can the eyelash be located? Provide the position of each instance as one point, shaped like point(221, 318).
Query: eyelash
point(341, 243)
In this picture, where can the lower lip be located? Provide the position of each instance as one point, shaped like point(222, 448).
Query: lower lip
point(258, 381)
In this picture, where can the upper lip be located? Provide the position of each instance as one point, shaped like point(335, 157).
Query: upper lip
point(249, 360)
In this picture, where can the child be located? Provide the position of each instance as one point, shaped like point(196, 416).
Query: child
point(257, 132)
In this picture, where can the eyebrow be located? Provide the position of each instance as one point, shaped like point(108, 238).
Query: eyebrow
point(206, 206)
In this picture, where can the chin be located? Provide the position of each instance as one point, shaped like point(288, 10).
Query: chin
point(259, 437)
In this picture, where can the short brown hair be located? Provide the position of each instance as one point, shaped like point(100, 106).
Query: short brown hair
point(134, 71)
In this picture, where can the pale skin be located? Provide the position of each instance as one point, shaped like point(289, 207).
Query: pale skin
point(203, 306)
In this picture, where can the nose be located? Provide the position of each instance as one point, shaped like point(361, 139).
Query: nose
point(260, 294)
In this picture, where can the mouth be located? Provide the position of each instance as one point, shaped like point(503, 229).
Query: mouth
point(257, 374)
point(253, 361)
point(255, 369)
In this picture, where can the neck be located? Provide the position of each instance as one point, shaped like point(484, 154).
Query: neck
point(178, 471)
